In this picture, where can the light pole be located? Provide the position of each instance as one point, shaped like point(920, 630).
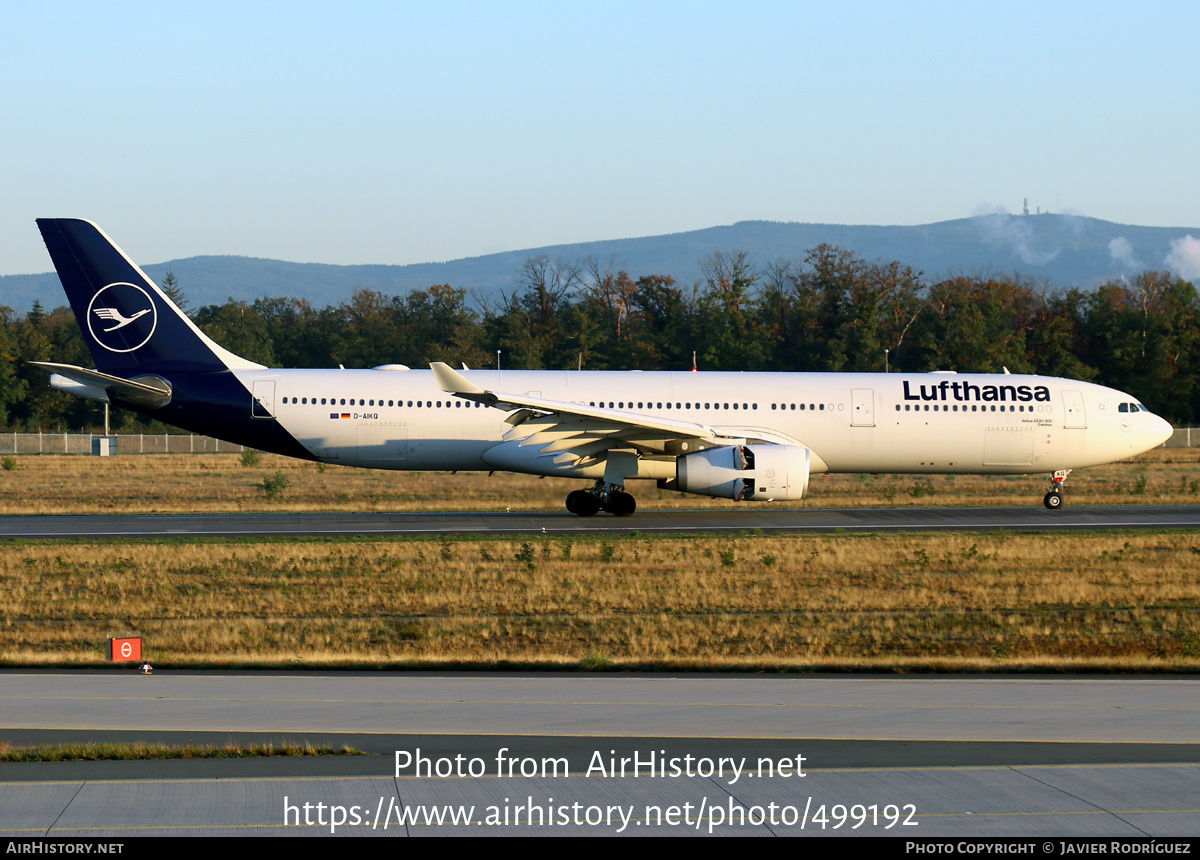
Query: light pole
point(885, 360)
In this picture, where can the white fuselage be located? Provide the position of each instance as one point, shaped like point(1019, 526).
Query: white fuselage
point(900, 422)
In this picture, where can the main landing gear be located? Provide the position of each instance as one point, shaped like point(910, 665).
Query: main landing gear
point(1054, 487)
point(602, 497)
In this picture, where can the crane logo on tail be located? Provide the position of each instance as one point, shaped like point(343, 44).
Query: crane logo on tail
point(121, 317)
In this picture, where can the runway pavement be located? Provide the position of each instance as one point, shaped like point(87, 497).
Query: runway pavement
point(946, 756)
point(771, 520)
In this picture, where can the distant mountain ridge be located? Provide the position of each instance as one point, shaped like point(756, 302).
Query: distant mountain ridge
point(1065, 250)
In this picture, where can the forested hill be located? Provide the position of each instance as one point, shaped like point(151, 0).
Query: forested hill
point(1066, 250)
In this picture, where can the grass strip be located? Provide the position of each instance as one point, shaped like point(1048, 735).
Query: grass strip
point(108, 751)
point(895, 602)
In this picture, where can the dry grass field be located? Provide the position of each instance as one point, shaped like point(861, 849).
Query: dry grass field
point(897, 602)
point(210, 483)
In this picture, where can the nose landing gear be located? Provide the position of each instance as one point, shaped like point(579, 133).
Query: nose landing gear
point(1054, 487)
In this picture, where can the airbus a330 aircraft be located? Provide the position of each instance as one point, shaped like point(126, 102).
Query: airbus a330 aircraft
point(744, 436)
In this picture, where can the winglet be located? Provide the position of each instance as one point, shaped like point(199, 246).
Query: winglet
point(450, 380)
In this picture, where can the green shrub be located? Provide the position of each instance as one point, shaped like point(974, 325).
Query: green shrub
point(273, 486)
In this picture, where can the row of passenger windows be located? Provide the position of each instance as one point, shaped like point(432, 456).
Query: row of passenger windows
point(908, 407)
point(333, 401)
point(611, 404)
point(621, 404)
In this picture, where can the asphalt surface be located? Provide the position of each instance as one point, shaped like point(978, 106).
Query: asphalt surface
point(768, 520)
point(981, 756)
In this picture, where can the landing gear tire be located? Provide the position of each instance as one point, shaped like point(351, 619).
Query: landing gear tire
point(620, 504)
point(582, 503)
point(1054, 487)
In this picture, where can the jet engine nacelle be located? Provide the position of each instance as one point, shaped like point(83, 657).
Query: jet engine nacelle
point(746, 472)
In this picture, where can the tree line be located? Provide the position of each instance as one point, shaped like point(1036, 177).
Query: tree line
point(832, 311)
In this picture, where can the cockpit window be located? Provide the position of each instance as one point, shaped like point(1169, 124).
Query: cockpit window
point(1124, 407)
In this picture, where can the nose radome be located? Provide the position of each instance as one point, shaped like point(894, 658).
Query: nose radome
point(1161, 431)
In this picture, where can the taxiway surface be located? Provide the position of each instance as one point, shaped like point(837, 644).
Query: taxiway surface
point(770, 520)
point(968, 756)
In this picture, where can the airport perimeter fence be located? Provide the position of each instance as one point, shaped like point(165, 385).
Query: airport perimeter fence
point(170, 443)
point(1183, 437)
point(127, 443)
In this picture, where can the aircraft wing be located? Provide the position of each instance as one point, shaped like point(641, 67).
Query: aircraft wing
point(576, 429)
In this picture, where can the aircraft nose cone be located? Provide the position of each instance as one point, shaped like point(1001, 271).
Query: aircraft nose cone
point(1161, 431)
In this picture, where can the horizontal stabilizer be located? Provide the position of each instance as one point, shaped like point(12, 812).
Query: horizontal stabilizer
point(147, 390)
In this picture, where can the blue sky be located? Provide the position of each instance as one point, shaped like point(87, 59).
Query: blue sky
point(363, 132)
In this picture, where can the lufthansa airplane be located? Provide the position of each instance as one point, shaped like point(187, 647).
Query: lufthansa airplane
point(743, 436)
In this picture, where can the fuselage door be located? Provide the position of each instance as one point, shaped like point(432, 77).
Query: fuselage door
point(863, 413)
point(1073, 404)
point(263, 405)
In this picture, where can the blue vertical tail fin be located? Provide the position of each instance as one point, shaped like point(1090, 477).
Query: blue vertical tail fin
point(128, 323)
